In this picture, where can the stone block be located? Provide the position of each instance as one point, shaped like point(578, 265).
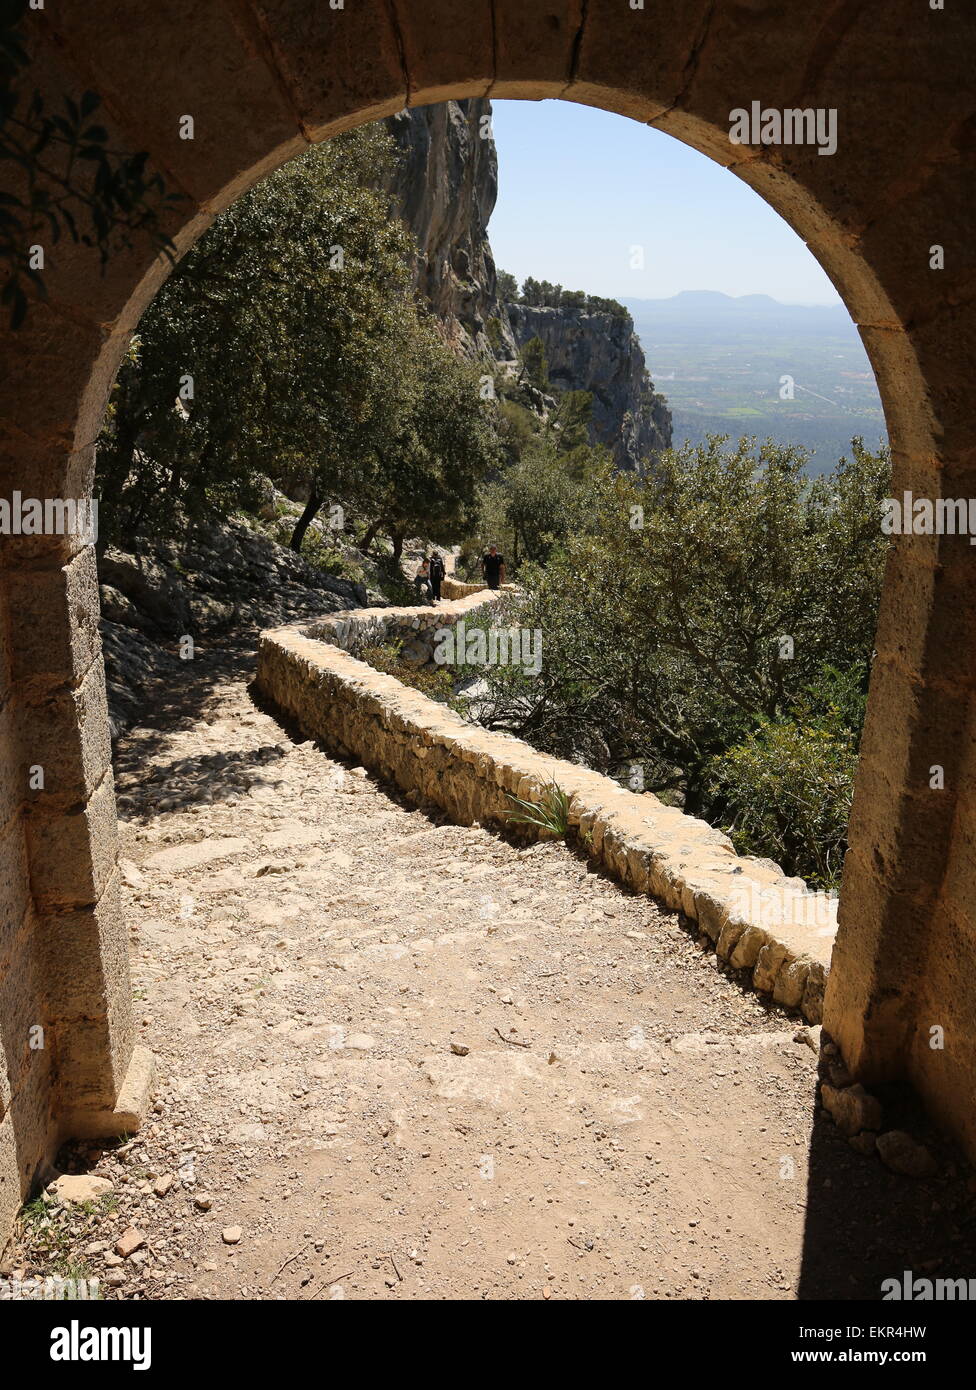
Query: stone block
point(319, 52)
point(15, 899)
point(84, 956)
point(22, 1011)
point(534, 48)
point(448, 50)
point(65, 734)
point(54, 617)
point(791, 982)
point(217, 71)
point(92, 1054)
point(72, 854)
point(746, 950)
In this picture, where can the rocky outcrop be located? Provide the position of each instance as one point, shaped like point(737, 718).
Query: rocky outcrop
point(220, 578)
point(444, 188)
point(601, 353)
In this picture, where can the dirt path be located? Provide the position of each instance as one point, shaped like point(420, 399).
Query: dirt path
point(409, 1060)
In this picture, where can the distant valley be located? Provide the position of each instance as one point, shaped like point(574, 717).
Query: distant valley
point(719, 361)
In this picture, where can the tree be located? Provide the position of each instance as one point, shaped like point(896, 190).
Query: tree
point(531, 292)
point(440, 445)
point(281, 328)
point(534, 363)
point(507, 287)
point(571, 419)
point(701, 611)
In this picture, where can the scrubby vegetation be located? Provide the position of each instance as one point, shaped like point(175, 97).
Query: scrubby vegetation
point(541, 294)
point(437, 682)
point(708, 634)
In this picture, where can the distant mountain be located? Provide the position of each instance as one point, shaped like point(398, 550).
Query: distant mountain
point(710, 305)
point(721, 360)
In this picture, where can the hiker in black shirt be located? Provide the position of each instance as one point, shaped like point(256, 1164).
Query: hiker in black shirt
point(493, 567)
point(436, 575)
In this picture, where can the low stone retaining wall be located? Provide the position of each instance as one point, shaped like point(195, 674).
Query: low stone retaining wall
point(357, 628)
point(454, 588)
point(758, 919)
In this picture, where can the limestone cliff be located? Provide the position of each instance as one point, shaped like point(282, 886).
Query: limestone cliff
point(444, 188)
point(601, 353)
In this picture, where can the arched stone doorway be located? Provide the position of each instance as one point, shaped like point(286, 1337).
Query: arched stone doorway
point(261, 78)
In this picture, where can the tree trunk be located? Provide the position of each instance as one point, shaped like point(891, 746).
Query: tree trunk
point(397, 538)
point(308, 515)
point(370, 535)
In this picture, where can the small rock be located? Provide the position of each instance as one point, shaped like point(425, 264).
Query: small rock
point(459, 1049)
point(852, 1108)
point(864, 1143)
point(162, 1185)
point(231, 1235)
point(129, 1241)
point(361, 1042)
point(79, 1187)
point(203, 1201)
point(131, 876)
point(903, 1154)
point(838, 1074)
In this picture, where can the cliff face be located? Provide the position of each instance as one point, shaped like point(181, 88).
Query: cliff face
point(601, 353)
point(445, 188)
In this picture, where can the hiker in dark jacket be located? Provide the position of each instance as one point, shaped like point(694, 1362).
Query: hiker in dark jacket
point(436, 574)
point(493, 567)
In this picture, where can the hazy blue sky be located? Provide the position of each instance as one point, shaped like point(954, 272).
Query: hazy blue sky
point(579, 187)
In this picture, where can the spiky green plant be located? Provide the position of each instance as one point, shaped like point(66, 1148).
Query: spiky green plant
point(550, 813)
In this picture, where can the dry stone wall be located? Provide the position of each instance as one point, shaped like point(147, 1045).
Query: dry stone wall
point(414, 628)
point(455, 588)
point(758, 919)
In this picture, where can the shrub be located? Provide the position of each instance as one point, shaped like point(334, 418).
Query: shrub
point(437, 682)
point(788, 787)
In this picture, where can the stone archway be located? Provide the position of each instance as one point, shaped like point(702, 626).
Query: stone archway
point(261, 78)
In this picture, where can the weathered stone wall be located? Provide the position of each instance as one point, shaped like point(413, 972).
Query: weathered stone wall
point(357, 628)
point(25, 1073)
point(758, 919)
point(65, 997)
point(456, 588)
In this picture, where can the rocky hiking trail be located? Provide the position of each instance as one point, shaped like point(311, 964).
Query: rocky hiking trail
point(400, 1058)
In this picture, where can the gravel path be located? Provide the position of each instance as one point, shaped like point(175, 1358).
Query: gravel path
point(404, 1059)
